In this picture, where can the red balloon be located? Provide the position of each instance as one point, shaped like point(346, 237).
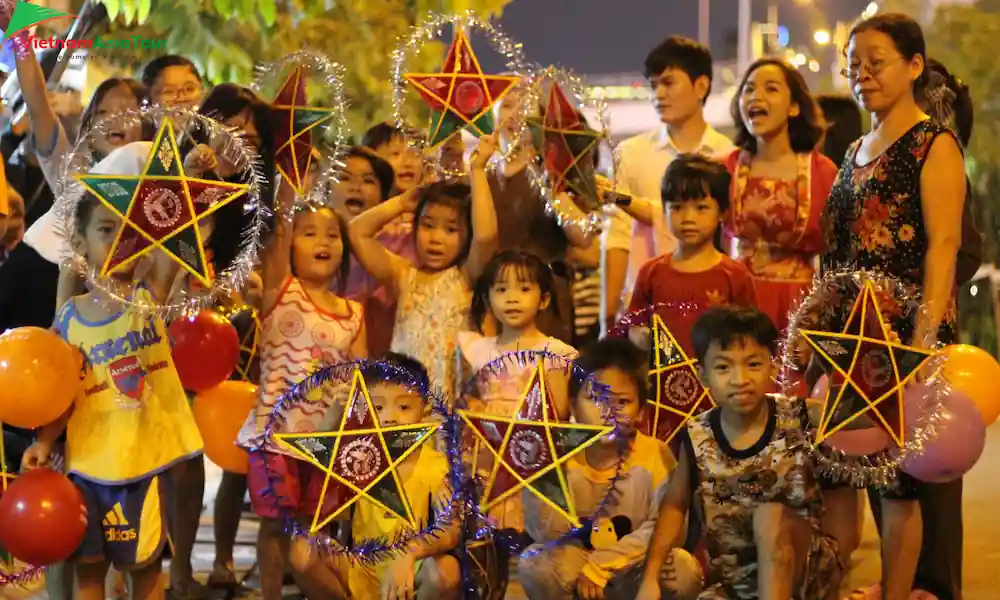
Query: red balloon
point(206, 349)
point(43, 516)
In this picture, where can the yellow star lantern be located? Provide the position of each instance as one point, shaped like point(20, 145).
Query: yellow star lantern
point(869, 370)
point(360, 459)
point(461, 95)
point(679, 394)
point(531, 448)
point(294, 124)
point(161, 208)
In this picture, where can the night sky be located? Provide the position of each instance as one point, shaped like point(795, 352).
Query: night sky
point(596, 37)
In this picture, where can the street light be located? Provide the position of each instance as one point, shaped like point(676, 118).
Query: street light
point(814, 65)
point(870, 10)
point(821, 37)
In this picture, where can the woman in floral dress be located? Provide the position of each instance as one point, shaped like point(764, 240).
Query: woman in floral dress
point(780, 184)
point(897, 206)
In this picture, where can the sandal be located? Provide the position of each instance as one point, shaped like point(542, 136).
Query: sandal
point(192, 591)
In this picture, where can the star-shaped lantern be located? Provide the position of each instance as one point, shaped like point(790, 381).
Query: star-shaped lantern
point(461, 95)
point(566, 145)
point(360, 459)
point(679, 394)
point(161, 208)
point(873, 370)
point(531, 447)
point(294, 122)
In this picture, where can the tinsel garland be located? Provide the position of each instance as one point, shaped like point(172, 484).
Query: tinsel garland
point(641, 317)
point(882, 468)
point(371, 551)
point(431, 28)
point(22, 577)
point(228, 143)
point(600, 394)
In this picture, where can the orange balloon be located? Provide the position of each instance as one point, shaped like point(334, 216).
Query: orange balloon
point(220, 413)
point(974, 372)
point(39, 376)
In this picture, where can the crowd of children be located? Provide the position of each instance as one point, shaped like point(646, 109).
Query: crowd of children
point(423, 272)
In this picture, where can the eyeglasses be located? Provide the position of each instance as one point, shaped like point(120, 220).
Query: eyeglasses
point(873, 67)
point(190, 90)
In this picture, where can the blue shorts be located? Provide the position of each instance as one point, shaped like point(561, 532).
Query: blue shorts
point(126, 524)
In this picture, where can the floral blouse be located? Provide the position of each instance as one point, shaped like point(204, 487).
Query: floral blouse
point(874, 218)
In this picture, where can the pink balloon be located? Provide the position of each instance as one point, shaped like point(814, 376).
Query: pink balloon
point(819, 390)
point(859, 442)
point(853, 442)
point(960, 439)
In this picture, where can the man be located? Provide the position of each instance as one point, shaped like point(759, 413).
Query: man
point(680, 72)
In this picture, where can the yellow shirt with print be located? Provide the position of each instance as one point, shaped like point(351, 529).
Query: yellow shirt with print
point(131, 419)
point(427, 481)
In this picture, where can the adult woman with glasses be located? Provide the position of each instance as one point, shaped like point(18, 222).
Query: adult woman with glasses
point(897, 207)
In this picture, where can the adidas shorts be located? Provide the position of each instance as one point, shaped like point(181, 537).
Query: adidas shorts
point(126, 524)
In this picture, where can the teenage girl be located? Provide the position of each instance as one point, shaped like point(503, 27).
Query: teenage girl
point(454, 240)
point(304, 325)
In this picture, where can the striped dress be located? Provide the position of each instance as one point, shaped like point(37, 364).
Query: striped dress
point(298, 338)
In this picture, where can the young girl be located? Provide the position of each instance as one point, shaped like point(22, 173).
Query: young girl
point(132, 397)
point(515, 288)
point(780, 184)
point(453, 241)
point(304, 325)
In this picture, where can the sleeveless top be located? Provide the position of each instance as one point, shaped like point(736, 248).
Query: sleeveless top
point(874, 218)
point(430, 312)
point(297, 339)
point(730, 484)
point(132, 419)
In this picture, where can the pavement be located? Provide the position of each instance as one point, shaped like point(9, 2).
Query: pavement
point(982, 537)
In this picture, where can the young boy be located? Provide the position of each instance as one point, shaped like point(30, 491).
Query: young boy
point(132, 422)
point(696, 275)
point(605, 564)
point(744, 472)
point(426, 570)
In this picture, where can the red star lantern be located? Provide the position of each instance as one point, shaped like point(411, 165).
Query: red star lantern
point(294, 122)
point(871, 369)
point(566, 145)
point(360, 459)
point(531, 447)
point(461, 95)
point(679, 393)
point(161, 208)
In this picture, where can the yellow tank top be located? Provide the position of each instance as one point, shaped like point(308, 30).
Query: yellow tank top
point(427, 483)
point(132, 418)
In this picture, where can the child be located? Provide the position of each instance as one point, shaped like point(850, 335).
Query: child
point(304, 326)
point(366, 182)
point(172, 80)
point(454, 240)
point(743, 470)
point(696, 196)
point(132, 421)
point(515, 288)
point(604, 567)
point(390, 144)
point(425, 570)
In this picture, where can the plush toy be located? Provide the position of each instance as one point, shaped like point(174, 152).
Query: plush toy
point(605, 533)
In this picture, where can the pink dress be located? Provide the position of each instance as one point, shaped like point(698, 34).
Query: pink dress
point(297, 338)
point(777, 227)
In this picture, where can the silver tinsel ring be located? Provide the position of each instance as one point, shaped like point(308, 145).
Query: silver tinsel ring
point(228, 142)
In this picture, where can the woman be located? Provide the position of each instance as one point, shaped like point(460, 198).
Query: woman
point(780, 184)
point(897, 206)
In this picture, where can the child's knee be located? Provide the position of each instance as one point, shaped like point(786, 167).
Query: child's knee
point(773, 532)
point(442, 577)
point(682, 577)
point(301, 555)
